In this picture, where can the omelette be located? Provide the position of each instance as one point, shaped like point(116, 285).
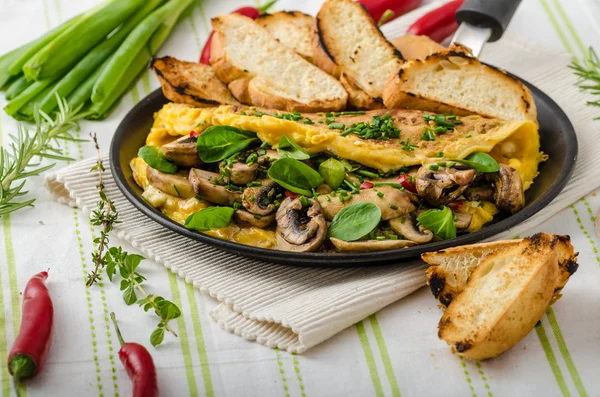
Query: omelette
point(410, 166)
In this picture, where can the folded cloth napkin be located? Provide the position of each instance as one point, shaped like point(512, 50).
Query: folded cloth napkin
point(295, 308)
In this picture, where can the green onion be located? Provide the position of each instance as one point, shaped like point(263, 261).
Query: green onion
point(337, 126)
point(434, 167)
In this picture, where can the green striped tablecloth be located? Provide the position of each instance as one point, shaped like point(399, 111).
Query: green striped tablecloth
point(395, 352)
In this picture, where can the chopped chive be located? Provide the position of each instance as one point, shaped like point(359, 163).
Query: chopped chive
point(337, 126)
point(394, 207)
point(434, 167)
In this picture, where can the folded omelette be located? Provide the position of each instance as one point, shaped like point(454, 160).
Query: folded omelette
point(515, 143)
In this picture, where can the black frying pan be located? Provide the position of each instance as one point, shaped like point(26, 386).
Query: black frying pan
point(557, 138)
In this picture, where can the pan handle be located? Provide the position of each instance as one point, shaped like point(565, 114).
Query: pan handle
point(493, 14)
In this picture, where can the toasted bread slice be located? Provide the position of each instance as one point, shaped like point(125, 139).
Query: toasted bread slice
point(417, 47)
point(293, 29)
point(505, 297)
point(349, 36)
point(451, 268)
point(278, 78)
point(191, 83)
point(453, 81)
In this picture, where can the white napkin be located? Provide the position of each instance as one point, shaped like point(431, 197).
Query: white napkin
point(295, 308)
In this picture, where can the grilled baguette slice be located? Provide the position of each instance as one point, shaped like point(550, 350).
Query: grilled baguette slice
point(190, 83)
point(293, 29)
point(453, 81)
point(451, 268)
point(273, 76)
point(505, 297)
point(351, 39)
point(417, 47)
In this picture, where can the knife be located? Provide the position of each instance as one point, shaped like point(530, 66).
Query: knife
point(483, 21)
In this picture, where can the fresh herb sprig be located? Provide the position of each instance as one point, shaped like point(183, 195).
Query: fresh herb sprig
point(588, 73)
point(116, 261)
point(16, 160)
point(105, 215)
point(125, 264)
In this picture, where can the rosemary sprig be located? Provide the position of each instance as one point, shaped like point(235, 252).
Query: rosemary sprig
point(116, 261)
point(588, 73)
point(16, 160)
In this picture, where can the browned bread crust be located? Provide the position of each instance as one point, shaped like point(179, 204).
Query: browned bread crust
point(190, 83)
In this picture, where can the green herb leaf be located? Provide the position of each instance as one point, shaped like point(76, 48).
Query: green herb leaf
point(333, 172)
point(209, 218)
point(132, 261)
point(217, 143)
point(129, 295)
point(155, 159)
point(481, 162)
point(295, 176)
point(440, 222)
point(289, 148)
point(168, 310)
point(157, 336)
point(355, 221)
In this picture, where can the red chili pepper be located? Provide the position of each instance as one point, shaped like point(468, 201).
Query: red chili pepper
point(456, 205)
point(195, 134)
point(290, 195)
point(383, 11)
point(139, 365)
point(250, 12)
point(438, 24)
point(366, 185)
point(404, 180)
point(30, 349)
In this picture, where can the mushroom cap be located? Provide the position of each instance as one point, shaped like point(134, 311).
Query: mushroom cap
point(370, 245)
point(444, 185)
point(182, 152)
point(174, 184)
point(299, 228)
point(407, 227)
point(509, 195)
point(403, 201)
point(239, 173)
point(244, 217)
point(204, 186)
point(263, 197)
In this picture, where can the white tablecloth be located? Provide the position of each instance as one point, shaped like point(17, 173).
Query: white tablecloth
point(393, 352)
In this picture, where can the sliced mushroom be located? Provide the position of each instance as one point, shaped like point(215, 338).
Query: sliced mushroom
point(173, 184)
point(204, 186)
point(407, 227)
point(299, 228)
point(509, 195)
point(391, 201)
point(462, 221)
point(441, 186)
point(239, 173)
point(182, 152)
point(245, 218)
point(260, 199)
point(481, 193)
point(370, 245)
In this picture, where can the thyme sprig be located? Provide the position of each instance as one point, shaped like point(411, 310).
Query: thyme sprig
point(17, 159)
point(116, 261)
point(588, 73)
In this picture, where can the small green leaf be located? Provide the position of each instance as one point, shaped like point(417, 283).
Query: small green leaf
point(124, 284)
point(355, 221)
point(333, 172)
point(157, 336)
point(289, 148)
point(168, 310)
point(111, 270)
point(155, 159)
point(209, 218)
point(217, 143)
point(295, 176)
point(132, 261)
point(481, 162)
point(440, 222)
point(129, 296)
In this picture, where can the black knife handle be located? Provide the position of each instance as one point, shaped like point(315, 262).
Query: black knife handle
point(493, 14)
